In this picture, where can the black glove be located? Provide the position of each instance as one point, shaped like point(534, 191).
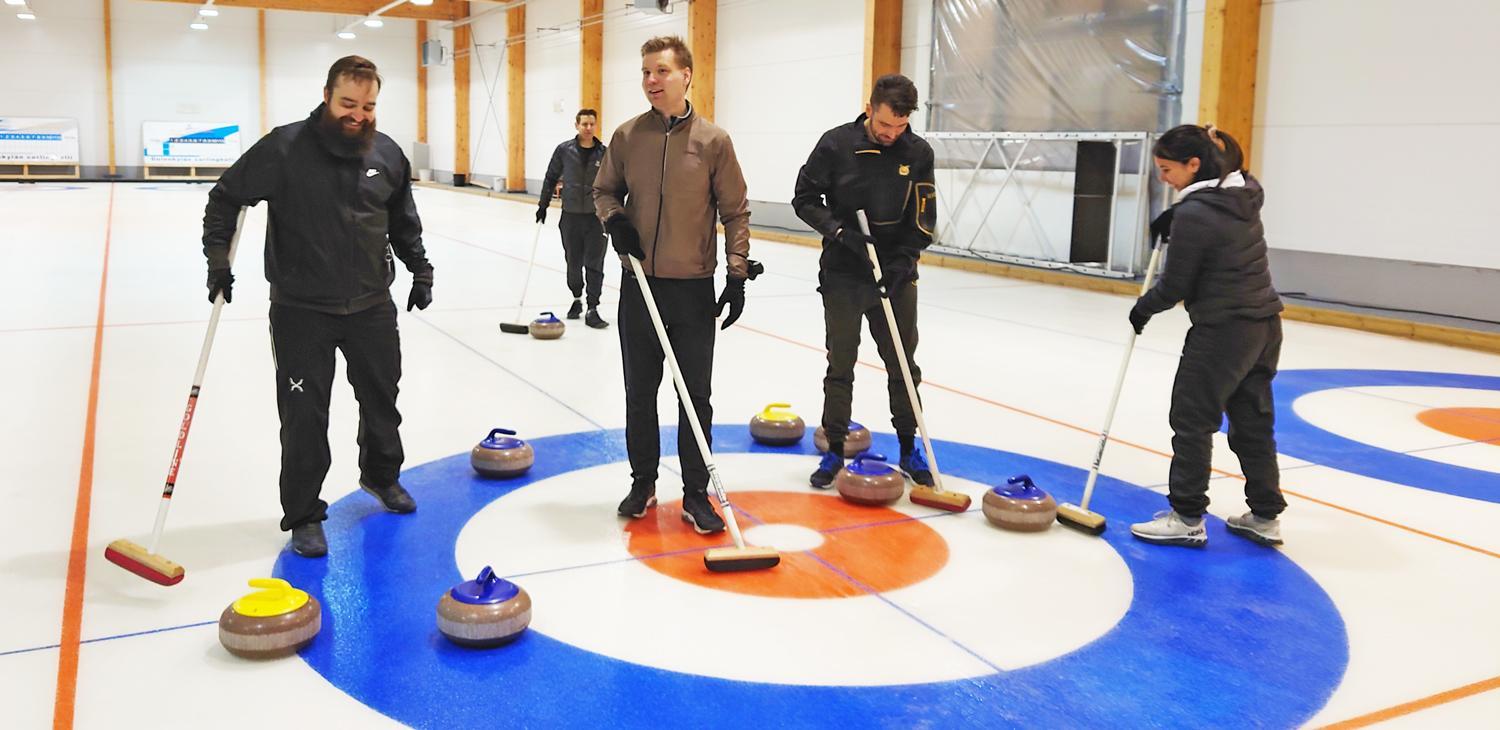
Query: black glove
point(220, 280)
point(1138, 318)
point(734, 298)
point(421, 291)
point(855, 240)
point(623, 236)
point(898, 273)
point(1161, 226)
point(541, 213)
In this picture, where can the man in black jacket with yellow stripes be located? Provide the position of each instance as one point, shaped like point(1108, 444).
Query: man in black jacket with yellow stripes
point(340, 203)
point(878, 165)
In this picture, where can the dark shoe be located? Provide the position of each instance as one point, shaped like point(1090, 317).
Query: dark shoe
point(827, 469)
point(576, 309)
point(308, 540)
point(393, 498)
point(594, 320)
point(641, 498)
point(697, 512)
point(914, 463)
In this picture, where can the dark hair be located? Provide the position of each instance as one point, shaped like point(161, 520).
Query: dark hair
point(585, 112)
point(1217, 152)
point(670, 43)
point(896, 92)
point(358, 68)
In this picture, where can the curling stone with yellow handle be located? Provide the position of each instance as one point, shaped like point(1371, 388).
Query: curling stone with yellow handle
point(546, 327)
point(272, 622)
point(1020, 505)
point(857, 441)
point(484, 612)
point(869, 480)
point(500, 456)
point(777, 427)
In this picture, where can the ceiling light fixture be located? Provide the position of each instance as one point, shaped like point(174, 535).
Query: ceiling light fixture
point(15, 2)
point(198, 25)
point(347, 35)
point(374, 22)
point(26, 15)
point(208, 12)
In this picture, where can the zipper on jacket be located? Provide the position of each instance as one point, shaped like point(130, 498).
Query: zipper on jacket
point(661, 193)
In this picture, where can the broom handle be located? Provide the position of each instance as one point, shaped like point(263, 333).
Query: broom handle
point(911, 386)
point(526, 283)
point(1109, 416)
point(192, 401)
point(687, 403)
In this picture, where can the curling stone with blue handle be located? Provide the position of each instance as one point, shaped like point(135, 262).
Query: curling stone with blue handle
point(857, 441)
point(869, 480)
point(502, 456)
point(484, 612)
point(1020, 505)
point(546, 327)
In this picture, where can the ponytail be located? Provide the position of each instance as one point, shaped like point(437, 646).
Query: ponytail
point(1218, 154)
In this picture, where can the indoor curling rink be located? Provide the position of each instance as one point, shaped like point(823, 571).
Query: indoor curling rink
point(1383, 605)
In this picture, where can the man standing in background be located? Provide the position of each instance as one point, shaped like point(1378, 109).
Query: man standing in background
point(574, 165)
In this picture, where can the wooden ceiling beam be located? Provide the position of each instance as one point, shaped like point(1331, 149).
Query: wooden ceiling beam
point(438, 10)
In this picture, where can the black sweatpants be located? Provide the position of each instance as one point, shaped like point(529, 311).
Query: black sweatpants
point(687, 312)
point(1226, 368)
point(583, 249)
point(303, 342)
point(845, 302)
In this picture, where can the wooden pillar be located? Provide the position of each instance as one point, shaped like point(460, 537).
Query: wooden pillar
point(1231, 42)
point(591, 57)
point(461, 53)
point(882, 41)
point(703, 41)
point(260, 31)
point(109, 83)
point(421, 84)
point(515, 86)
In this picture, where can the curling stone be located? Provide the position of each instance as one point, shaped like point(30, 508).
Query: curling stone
point(272, 622)
point(1020, 505)
point(776, 427)
point(500, 456)
point(869, 480)
point(857, 441)
point(546, 327)
point(484, 612)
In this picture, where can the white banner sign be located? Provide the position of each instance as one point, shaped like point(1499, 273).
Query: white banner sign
point(185, 144)
point(37, 139)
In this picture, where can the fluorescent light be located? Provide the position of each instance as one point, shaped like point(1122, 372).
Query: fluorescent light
point(26, 16)
point(347, 35)
point(413, 2)
point(374, 22)
point(208, 12)
point(15, 2)
point(198, 25)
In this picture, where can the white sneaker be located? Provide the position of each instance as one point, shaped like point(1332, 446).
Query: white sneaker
point(1169, 528)
point(1263, 531)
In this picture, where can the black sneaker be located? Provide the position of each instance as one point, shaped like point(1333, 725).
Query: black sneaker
point(576, 309)
point(641, 498)
point(594, 320)
point(827, 469)
point(393, 498)
point(308, 540)
point(914, 463)
point(697, 512)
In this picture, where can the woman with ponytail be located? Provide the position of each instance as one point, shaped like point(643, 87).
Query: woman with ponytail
point(1216, 266)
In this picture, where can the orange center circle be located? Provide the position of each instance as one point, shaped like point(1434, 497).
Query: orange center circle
point(863, 549)
point(1472, 424)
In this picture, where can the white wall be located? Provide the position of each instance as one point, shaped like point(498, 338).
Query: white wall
point(1377, 128)
point(163, 71)
point(552, 80)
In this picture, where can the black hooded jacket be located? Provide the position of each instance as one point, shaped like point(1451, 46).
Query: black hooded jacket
point(336, 214)
point(1216, 261)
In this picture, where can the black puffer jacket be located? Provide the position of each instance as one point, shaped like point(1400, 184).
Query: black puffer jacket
point(334, 218)
point(1216, 261)
point(575, 166)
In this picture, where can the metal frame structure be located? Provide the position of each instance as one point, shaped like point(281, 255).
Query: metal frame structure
point(994, 145)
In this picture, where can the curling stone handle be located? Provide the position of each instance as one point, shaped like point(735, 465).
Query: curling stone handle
point(497, 431)
point(775, 406)
point(549, 314)
point(271, 584)
point(1022, 479)
point(485, 579)
point(865, 456)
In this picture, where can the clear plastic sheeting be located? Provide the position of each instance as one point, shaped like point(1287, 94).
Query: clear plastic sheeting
point(1056, 65)
point(1013, 197)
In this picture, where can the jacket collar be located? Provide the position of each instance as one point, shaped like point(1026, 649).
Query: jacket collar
point(1233, 180)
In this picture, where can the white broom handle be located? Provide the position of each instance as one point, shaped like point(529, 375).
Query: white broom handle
point(687, 403)
point(911, 386)
point(526, 283)
point(1109, 416)
point(192, 402)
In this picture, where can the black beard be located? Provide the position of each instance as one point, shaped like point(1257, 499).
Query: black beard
point(341, 142)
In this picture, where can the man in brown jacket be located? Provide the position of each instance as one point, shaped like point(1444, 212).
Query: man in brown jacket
point(664, 175)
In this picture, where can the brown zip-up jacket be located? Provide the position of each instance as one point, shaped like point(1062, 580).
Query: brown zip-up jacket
point(669, 182)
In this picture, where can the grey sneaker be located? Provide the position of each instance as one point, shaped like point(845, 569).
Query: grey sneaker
point(1169, 528)
point(308, 540)
point(1259, 529)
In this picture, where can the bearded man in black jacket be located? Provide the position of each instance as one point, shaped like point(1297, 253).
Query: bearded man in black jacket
point(340, 203)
